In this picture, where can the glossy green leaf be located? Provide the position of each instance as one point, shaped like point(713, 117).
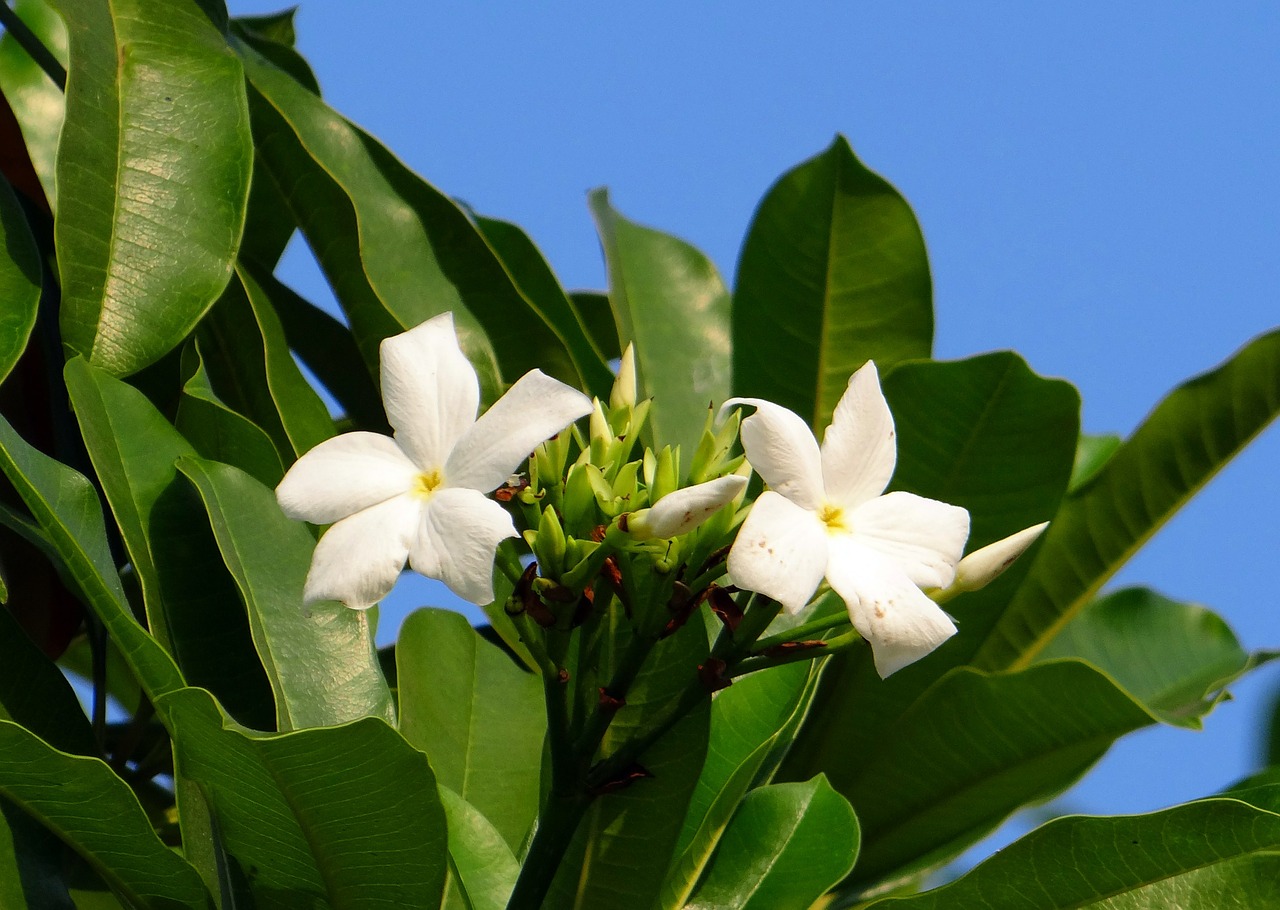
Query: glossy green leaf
point(153, 176)
point(973, 749)
point(786, 846)
point(1212, 853)
point(531, 273)
point(218, 433)
point(671, 303)
point(752, 723)
point(98, 816)
point(395, 249)
point(66, 507)
point(984, 433)
point(190, 599)
point(1189, 436)
point(1173, 657)
point(320, 659)
point(243, 347)
point(20, 280)
point(1092, 454)
point(483, 870)
point(37, 102)
point(833, 273)
point(625, 842)
point(476, 715)
point(328, 349)
point(342, 817)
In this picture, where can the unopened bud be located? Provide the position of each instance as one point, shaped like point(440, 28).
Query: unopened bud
point(680, 512)
point(623, 394)
point(981, 567)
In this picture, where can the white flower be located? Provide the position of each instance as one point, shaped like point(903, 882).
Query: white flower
point(824, 516)
point(421, 496)
point(683, 510)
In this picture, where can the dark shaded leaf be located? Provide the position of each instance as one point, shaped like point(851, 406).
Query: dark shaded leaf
point(20, 280)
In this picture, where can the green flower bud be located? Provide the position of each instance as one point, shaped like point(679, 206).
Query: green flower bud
point(580, 514)
point(623, 394)
point(666, 474)
point(549, 544)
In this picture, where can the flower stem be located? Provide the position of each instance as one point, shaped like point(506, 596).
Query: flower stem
point(556, 824)
point(803, 632)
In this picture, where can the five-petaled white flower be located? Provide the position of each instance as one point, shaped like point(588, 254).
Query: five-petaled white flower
point(422, 495)
point(824, 515)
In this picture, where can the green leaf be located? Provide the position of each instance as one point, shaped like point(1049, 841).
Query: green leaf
point(320, 659)
point(752, 723)
point(1189, 436)
point(66, 507)
point(670, 302)
point(625, 842)
point(1092, 454)
point(395, 249)
point(483, 868)
point(97, 815)
point(476, 715)
point(833, 273)
point(153, 176)
point(1210, 853)
point(220, 434)
point(190, 599)
point(328, 349)
point(31, 863)
point(972, 750)
point(532, 274)
point(37, 102)
point(20, 280)
point(786, 846)
point(1173, 657)
point(343, 817)
point(243, 347)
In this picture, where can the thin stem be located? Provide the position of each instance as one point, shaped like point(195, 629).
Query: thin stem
point(803, 632)
point(633, 658)
point(765, 661)
point(34, 47)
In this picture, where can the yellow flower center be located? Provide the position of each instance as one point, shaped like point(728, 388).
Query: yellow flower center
point(426, 483)
point(833, 518)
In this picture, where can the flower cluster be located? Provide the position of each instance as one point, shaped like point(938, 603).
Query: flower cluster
point(422, 498)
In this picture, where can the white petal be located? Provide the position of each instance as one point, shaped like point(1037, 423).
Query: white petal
point(780, 551)
point(888, 610)
point(680, 512)
point(456, 537)
point(781, 447)
point(344, 475)
point(859, 449)
point(359, 559)
point(536, 408)
point(429, 389)
point(923, 537)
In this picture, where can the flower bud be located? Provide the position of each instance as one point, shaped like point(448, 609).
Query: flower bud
point(549, 546)
point(680, 512)
point(665, 477)
point(981, 567)
point(623, 394)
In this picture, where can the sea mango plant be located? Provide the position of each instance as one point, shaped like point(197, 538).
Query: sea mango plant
point(782, 612)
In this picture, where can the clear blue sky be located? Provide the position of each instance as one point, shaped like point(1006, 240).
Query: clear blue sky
point(1097, 185)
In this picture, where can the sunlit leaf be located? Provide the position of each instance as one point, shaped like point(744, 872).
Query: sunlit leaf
point(1189, 436)
point(153, 176)
point(320, 659)
point(669, 301)
point(833, 273)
